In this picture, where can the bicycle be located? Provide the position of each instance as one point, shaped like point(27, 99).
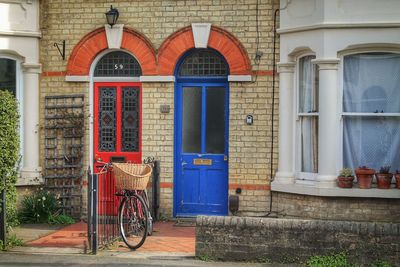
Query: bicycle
point(134, 218)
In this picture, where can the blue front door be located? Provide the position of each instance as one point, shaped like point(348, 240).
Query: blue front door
point(201, 149)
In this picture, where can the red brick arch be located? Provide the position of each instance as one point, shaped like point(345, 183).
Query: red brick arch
point(95, 42)
point(224, 42)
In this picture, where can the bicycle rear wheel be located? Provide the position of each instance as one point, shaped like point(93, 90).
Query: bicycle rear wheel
point(133, 221)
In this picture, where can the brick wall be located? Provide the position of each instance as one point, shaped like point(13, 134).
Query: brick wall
point(293, 240)
point(336, 208)
point(249, 146)
point(158, 136)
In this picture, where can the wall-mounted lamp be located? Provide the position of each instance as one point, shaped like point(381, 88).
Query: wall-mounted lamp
point(112, 16)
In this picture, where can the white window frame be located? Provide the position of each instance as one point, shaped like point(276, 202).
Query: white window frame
point(19, 94)
point(342, 114)
point(306, 178)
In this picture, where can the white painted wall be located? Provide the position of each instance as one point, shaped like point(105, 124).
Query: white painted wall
point(19, 40)
point(329, 29)
point(301, 13)
point(19, 15)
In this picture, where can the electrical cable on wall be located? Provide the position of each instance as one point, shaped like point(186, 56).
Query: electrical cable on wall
point(273, 103)
point(258, 54)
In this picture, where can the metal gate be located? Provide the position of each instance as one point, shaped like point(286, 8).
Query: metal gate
point(103, 226)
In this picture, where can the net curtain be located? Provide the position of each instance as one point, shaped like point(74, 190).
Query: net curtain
point(371, 85)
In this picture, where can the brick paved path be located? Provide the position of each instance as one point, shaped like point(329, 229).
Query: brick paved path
point(166, 238)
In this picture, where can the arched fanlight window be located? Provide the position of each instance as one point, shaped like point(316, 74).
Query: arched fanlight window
point(118, 64)
point(203, 62)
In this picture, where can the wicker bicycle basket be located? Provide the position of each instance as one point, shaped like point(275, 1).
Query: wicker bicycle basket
point(131, 176)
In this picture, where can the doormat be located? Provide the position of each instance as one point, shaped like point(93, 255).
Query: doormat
point(187, 222)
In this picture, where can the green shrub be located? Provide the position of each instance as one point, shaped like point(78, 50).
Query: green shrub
point(381, 264)
point(39, 207)
point(60, 219)
point(9, 156)
point(333, 260)
point(12, 241)
point(43, 207)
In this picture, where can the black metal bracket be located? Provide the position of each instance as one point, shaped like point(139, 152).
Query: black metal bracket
point(63, 49)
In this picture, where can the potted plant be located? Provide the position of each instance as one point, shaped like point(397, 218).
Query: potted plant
point(384, 177)
point(345, 178)
point(364, 176)
point(397, 176)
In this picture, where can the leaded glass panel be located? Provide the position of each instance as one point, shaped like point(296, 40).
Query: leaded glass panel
point(203, 62)
point(130, 119)
point(118, 64)
point(107, 118)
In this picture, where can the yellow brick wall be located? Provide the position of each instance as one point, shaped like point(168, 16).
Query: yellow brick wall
point(249, 146)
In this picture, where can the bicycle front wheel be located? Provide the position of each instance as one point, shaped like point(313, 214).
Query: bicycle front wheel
point(133, 221)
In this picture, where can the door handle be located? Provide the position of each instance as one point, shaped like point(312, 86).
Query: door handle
point(184, 163)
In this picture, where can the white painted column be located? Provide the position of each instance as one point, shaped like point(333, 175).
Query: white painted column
point(285, 174)
point(30, 172)
point(328, 129)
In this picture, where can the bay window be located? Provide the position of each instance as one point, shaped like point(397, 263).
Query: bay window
point(307, 119)
point(371, 110)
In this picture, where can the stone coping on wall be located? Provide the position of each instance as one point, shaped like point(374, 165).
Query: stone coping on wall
point(294, 240)
point(312, 190)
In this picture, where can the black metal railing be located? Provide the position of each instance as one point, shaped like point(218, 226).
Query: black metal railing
point(103, 206)
point(154, 198)
point(102, 210)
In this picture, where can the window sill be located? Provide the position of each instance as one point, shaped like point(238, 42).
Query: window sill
point(312, 190)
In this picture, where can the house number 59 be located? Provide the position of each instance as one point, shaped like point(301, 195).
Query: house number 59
point(118, 66)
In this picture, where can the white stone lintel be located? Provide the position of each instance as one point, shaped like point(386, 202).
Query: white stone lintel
point(114, 35)
point(76, 78)
point(201, 33)
point(239, 78)
point(287, 67)
point(30, 67)
point(327, 63)
point(150, 78)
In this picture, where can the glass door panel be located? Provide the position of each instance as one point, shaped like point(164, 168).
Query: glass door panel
point(191, 123)
point(215, 120)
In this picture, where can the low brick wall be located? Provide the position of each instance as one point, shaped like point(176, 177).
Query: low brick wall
point(294, 240)
point(336, 208)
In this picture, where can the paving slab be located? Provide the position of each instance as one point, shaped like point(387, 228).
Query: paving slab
point(74, 235)
point(53, 259)
point(29, 232)
point(168, 237)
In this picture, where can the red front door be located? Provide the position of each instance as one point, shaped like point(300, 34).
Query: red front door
point(117, 130)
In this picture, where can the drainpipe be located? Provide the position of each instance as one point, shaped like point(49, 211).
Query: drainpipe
point(273, 103)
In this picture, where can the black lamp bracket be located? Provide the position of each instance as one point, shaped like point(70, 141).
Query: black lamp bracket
point(62, 53)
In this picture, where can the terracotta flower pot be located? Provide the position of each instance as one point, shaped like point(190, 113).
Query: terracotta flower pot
point(345, 182)
point(384, 180)
point(364, 177)
point(397, 176)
